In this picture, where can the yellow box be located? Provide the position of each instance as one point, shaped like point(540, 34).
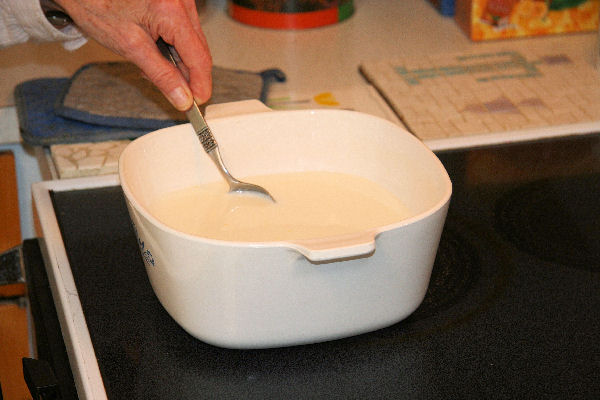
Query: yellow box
point(502, 19)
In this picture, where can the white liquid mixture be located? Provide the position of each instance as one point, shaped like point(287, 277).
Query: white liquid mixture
point(309, 205)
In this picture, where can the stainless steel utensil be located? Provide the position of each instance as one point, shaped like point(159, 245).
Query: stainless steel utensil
point(206, 137)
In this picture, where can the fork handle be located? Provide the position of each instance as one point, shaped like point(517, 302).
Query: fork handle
point(171, 54)
point(208, 141)
point(198, 122)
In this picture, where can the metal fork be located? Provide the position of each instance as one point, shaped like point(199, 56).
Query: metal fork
point(205, 135)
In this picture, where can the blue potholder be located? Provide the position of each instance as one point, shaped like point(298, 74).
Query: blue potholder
point(117, 94)
point(41, 126)
point(82, 108)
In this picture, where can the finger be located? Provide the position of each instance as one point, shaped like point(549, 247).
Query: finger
point(167, 78)
point(194, 52)
point(192, 46)
point(192, 11)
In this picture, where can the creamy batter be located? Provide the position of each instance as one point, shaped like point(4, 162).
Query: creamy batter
point(308, 205)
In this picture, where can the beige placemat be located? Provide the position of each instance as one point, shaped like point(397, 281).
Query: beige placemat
point(457, 95)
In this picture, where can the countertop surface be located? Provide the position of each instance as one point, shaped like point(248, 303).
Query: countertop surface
point(325, 58)
point(322, 57)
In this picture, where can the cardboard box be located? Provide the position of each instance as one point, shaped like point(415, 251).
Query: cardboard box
point(501, 19)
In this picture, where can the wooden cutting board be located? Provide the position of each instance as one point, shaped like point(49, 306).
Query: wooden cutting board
point(10, 231)
point(14, 342)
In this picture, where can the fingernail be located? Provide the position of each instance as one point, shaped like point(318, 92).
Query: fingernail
point(181, 98)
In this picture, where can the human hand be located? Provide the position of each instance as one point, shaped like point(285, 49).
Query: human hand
point(131, 27)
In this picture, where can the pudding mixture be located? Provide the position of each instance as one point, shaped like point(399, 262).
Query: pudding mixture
point(308, 205)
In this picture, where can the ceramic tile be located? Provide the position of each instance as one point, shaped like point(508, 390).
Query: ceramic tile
point(87, 159)
point(493, 92)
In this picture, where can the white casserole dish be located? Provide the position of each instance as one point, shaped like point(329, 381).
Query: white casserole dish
point(270, 294)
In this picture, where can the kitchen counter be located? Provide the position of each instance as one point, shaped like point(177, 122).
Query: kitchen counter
point(313, 59)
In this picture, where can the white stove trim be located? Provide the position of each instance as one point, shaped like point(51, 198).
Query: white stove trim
point(80, 350)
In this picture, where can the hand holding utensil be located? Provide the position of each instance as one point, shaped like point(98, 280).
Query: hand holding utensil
point(205, 135)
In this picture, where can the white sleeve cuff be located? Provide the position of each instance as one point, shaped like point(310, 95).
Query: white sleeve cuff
point(24, 20)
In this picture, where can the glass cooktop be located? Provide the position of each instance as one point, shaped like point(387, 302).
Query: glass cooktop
point(512, 309)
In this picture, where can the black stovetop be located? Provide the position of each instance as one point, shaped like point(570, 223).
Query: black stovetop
point(512, 310)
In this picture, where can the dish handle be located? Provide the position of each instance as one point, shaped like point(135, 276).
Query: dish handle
point(336, 248)
point(230, 109)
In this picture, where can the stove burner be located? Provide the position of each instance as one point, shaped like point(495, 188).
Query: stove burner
point(471, 269)
point(555, 220)
point(457, 267)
